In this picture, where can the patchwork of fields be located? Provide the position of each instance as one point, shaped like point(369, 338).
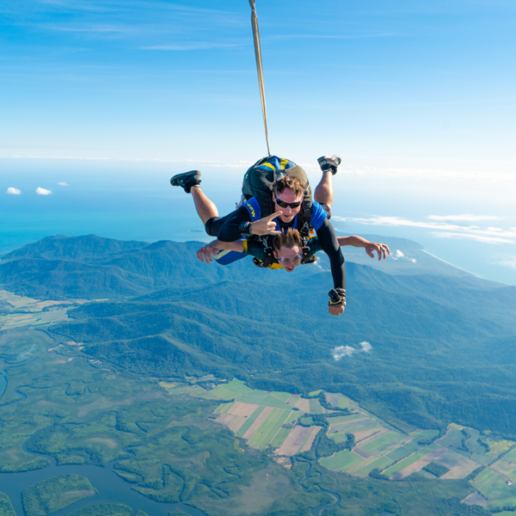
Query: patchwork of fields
point(278, 421)
point(271, 419)
point(31, 312)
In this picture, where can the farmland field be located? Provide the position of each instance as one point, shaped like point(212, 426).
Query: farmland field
point(341, 461)
point(381, 464)
point(511, 456)
point(268, 419)
point(381, 443)
point(404, 451)
point(401, 465)
point(505, 468)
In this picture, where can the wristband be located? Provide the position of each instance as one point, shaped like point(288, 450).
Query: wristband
point(337, 296)
point(245, 228)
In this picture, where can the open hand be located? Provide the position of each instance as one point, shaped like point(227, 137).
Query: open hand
point(382, 250)
point(266, 226)
point(336, 309)
point(206, 253)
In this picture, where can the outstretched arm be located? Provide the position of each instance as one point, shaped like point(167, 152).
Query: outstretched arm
point(370, 247)
point(206, 253)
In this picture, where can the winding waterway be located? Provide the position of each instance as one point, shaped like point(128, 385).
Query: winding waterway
point(111, 488)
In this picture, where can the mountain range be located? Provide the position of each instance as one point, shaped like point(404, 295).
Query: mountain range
point(441, 343)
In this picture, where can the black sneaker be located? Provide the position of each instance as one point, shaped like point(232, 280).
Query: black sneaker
point(186, 180)
point(329, 163)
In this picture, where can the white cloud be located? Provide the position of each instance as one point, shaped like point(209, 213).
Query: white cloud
point(42, 191)
point(347, 351)
point(366, 346)
point(511, 262)
point(418, 174)
point(342, 351)
point(399, 255)
point(463, 218)
point(478, 238)
point(13, 191)
point(62, 184)
point(490, 235)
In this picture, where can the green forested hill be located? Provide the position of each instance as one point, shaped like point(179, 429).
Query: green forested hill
point(443, 342)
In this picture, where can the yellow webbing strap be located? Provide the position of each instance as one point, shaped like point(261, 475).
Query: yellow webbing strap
point(258, 54)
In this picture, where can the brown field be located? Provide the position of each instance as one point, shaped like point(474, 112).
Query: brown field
point(259, 420)
point(362, 453)
point(295, 439)
point(341, 427)
point(236, 415)
point(242, 409)
point(419, 464)
point(364, 434)
point(303, 405)
point(459, 466)
point(311, 438)
point(231, 421)
point(332, 399)
point(371, 437)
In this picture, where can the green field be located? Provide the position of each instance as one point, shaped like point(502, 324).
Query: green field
point(55, 493)
point(506, 468)
point(250, 420)
point(423, 435)
point(402, 465)
point(269, 428)
point(487, 475)
point(511, 456)
point(404, 451)
point(381, 443)
point(341, 461)
point(344, 419)
point(354, 427)
point(380, 464)
point(88, 411)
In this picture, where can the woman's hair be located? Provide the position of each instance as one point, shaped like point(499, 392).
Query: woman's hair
point(289, 240)
point(292, 183)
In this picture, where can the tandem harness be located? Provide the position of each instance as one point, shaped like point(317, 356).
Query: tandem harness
point(306, 231)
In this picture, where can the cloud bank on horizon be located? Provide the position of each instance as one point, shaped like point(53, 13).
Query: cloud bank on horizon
point(444, 229)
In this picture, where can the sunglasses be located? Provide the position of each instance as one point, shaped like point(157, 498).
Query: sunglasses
point(283, 204)
point(295, 259)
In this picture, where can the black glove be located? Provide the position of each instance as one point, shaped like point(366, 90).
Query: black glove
point(337, 296)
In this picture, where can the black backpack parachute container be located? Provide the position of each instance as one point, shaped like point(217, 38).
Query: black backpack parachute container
point(259, 181)
point(260, 178)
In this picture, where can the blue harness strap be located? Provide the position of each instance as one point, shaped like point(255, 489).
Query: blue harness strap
point(226, 257)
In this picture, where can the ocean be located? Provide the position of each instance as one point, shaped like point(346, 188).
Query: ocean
point(134, 201)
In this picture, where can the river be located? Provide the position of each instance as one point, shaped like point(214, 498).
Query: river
point(111, 488)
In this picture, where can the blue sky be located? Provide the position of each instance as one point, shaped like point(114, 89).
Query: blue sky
point(417, 97)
